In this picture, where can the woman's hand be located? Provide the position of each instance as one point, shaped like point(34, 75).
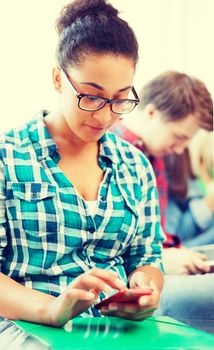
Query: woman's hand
point(145, 306)
point(80, 295)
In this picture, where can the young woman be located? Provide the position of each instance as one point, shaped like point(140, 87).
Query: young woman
point(79, 212)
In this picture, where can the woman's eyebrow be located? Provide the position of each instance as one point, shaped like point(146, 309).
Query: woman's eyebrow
point(96, 86)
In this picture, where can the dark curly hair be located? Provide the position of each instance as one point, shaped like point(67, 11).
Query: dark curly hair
point(92, 26)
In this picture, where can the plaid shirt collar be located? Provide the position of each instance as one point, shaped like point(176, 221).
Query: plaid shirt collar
point(45, 146)
point(40, 138)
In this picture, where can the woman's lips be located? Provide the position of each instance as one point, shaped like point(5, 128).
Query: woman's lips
point(97, 128)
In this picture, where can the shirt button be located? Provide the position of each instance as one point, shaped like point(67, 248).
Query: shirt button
point(34, 195)
point(91, 229)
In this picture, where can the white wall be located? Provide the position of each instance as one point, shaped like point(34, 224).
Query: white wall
point(172, 34)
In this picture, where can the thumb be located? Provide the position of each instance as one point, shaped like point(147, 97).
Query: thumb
point(140, 280)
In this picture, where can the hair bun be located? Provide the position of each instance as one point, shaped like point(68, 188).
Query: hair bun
point(82, 8)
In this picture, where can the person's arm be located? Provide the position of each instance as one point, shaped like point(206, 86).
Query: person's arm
point(180, 261)
point(19, 302)
point(22, 303)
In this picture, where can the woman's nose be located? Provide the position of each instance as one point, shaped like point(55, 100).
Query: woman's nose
point(104, 115)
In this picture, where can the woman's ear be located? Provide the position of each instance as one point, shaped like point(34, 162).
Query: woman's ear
point(57, 79)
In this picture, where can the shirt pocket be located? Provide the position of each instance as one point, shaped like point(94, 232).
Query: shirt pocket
point(36, 207)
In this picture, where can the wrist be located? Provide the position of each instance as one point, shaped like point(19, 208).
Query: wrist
point(45, 312)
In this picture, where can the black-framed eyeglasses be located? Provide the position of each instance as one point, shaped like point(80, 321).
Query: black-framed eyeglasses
point(92, 103)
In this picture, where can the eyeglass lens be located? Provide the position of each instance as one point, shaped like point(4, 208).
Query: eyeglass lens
point(91, 103)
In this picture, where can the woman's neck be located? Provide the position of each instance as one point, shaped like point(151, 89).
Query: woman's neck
point(63, 135)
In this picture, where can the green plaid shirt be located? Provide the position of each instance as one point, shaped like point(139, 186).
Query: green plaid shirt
point(47, 234)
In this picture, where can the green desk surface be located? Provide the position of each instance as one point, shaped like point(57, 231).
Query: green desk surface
point(108, 333)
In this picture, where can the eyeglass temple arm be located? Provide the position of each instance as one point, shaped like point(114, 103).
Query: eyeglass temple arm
point(135, 94)
point(71, 84)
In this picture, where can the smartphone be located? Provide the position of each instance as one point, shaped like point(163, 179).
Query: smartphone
point(124, 296)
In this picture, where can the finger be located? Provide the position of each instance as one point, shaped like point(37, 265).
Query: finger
point(201, 256)
point(124, 307)
point(129, 308)
point(71, 303)
point(67, 299)
point(131, 316)
point(110, 277)
point(89, 282)
point(95, 291)
point(78, 294)
point(146, 302)
point(184, 271)
point(207, 268)
point(202, 266)
point(191, 268)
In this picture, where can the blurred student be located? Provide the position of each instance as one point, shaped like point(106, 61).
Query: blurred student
point(173, 107)
point(190, 211)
